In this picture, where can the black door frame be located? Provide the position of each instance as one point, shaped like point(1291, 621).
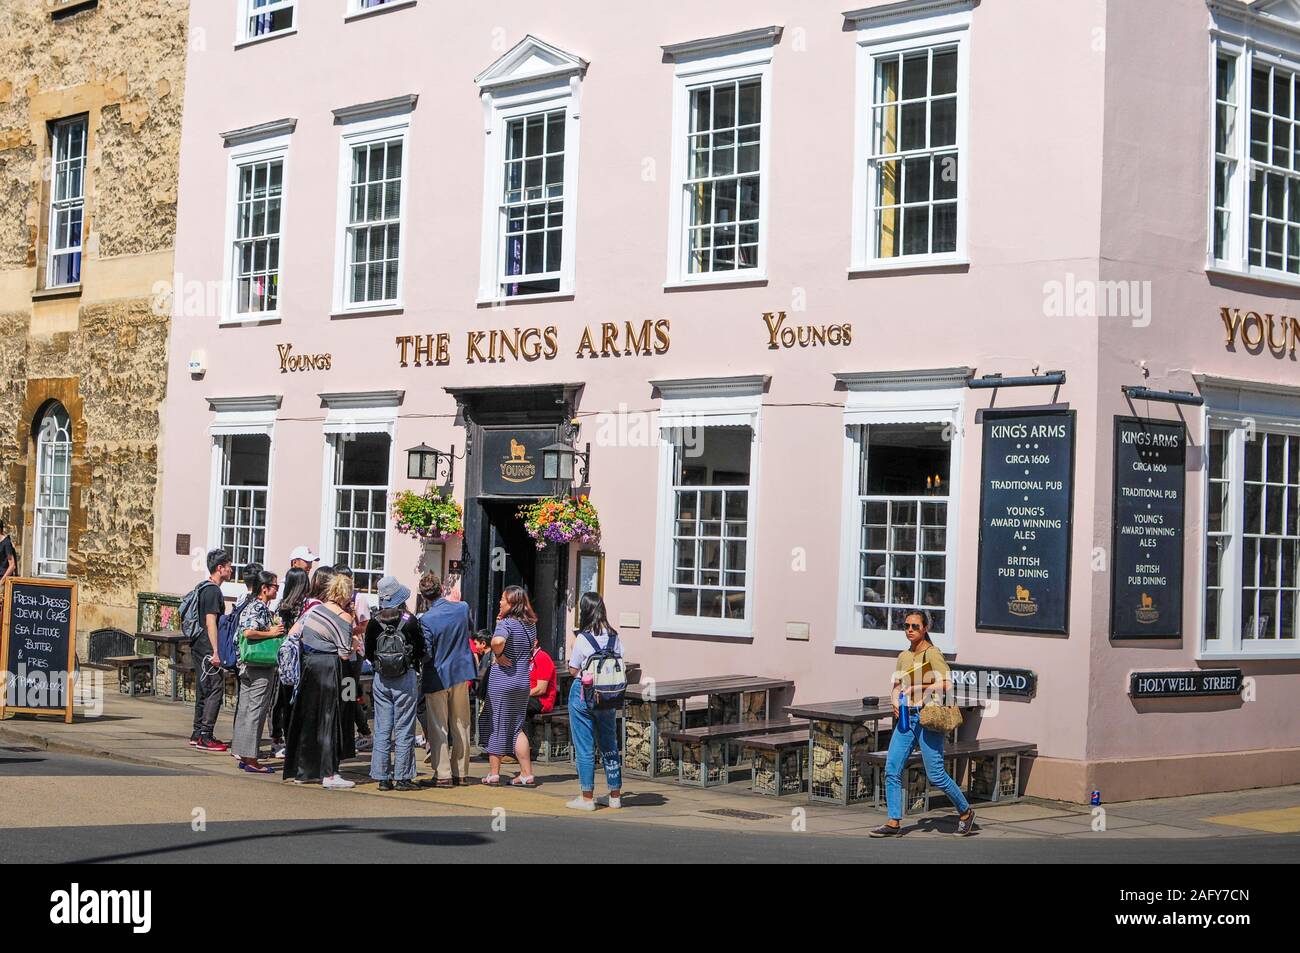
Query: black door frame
point(536, 406)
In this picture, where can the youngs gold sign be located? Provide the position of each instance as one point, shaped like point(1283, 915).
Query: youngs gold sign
point(1256, 330)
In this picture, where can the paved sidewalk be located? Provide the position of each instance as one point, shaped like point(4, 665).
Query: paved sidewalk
point(154, 732)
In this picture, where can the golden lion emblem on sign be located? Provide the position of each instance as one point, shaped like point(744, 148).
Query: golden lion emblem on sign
point(516, 450)
point(1022, 594)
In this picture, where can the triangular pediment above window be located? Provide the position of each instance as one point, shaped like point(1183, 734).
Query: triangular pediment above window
point(1288, 10)
point(530, 60)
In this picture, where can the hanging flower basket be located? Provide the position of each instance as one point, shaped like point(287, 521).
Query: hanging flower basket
point(561, 520)
point(428, 515)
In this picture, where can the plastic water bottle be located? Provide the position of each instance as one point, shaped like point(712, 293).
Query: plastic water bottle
point(904, 714)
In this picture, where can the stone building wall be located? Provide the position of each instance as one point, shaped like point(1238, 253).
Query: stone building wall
point(101, 348)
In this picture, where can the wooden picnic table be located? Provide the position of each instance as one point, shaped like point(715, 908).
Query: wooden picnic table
point(657, 707)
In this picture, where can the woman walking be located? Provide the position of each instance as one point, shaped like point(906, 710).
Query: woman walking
point(589, 725)
point(508, 686)
point(315, 742)
point(293, 594)
point(259, 646)
point(396, 686)
point(921, 674)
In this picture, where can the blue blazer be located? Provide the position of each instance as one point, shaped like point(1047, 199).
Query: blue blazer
point(446, 642)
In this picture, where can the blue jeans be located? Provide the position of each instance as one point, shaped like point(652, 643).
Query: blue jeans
point(585, 725)
point(394, 700)
point(900, 748)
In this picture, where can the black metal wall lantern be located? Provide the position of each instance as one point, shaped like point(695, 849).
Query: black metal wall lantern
point(560, 462)
point(425, 463)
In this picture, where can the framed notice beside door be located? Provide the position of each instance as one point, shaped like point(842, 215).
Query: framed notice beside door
point(590, 578)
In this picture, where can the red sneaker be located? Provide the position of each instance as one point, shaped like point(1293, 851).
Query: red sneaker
point(211, 744)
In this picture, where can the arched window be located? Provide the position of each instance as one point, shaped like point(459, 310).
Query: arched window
point(53, 491)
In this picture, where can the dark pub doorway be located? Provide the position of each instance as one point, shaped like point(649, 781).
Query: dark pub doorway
point(506, 427)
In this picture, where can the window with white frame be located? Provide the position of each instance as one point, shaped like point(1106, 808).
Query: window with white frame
point(711, 487)
point(904, 479)
point(721, 140)
point(903, 435)
point(361, 6)
point(532, 100)
point(914, 157)
point(67, 201)
point(706, 528)
point(1252, 550)
point(359, 504)
point(53, 491)
point(258, 208)
point(1254, 201)
point(532, 204)
point(909, 179)
point(724, 176)
point(372, 233)
point(267, 17)
point(242, 489)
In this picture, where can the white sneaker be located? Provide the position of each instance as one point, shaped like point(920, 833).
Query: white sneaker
point(581, 803)
point(278, 752)
point(419, 741)
point(608, 800)
point(338, 782)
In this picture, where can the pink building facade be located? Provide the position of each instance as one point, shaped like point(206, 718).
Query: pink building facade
point(752, 256)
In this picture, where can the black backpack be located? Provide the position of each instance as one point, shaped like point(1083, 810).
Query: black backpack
point(392, 653)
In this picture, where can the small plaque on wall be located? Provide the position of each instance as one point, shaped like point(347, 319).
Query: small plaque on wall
point(182, 544)
point(629, 572)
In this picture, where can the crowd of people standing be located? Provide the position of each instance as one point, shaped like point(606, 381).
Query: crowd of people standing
point(300, 650)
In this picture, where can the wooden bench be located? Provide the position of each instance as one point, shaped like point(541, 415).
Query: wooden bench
point(136, 668)
point(550, 737)
point(988, 779)
point(779, 762)
point(701, 752)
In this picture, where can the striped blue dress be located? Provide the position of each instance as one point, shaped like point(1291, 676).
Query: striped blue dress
point(508, 686)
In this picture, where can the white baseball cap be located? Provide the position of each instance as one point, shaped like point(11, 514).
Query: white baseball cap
point(305, 554)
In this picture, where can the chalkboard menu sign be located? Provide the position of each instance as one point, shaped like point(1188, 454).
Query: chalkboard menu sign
point(1026, 498)
point(512, 462)
point(1146, 593)
point(38, 643)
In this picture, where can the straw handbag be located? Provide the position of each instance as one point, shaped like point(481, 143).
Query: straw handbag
point(943, 718)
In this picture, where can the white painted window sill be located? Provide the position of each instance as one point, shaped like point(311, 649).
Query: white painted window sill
point(684, 628)
point(747, 279)
point(271, 317)
point(1254, 274)
point(897, 642)
point(254, 40)
point(1248, 656)
point(505, 301)
point(375, 311)
point(908, 264)
point(375, 11)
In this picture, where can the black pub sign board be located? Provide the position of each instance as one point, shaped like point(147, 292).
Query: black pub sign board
point(512, 461)
point(1146, 593)
point(1193, 684)
point(1026, 500)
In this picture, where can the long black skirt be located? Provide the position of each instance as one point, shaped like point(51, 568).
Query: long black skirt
point(315, 741)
